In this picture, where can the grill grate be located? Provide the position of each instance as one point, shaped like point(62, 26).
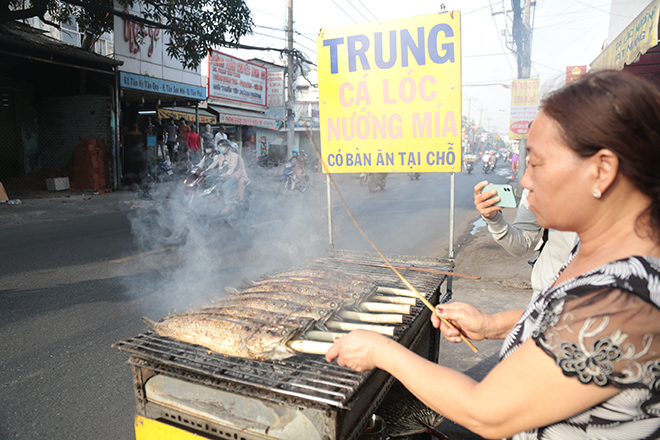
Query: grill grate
point(302, 378)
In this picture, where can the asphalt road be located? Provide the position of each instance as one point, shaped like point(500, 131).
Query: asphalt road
point(71, 287)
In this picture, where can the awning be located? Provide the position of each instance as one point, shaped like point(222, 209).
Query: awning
point(635, 39)
point(234, 116)
point(188, 114)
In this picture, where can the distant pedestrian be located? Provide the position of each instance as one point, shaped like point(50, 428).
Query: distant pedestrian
point(220, 135)
point(206, 138)
point(192, 142)
point(182, 139)
point(514, 162)
point(172, 133)
point(160, 138)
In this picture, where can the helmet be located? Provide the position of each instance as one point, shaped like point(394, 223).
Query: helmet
point(224, 142)
point(294, 151)
point(233, 146)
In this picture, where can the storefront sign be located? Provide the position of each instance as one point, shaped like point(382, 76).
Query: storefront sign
point(164, 113)
point(157, 85)
point(236, 80)
point(638, 37)
point(390, 95)
point(524, 106)
point(574, 72)
point(276, 89)
point(143, 49)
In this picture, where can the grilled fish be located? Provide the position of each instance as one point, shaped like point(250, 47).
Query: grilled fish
point(226, 335)
point(308, 286)
point(278, 303)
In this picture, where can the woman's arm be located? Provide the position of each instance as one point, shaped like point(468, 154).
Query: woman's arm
point(525, 391)
point(473, 323)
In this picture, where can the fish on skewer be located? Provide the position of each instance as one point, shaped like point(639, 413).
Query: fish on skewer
point(256, 315)
point(339, 291)
point(226, 335)
point(279, 303)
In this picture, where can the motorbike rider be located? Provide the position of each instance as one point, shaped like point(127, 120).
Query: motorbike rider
point(298, 164)
point(212, 159)
point(235, 174)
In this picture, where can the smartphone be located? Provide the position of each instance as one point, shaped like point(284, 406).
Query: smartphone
point(507, 198)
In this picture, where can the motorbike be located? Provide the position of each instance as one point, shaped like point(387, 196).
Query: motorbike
point(289, 181)
point(203, 194)
point(264, 161)
point(414, 176)
point(469, 166)
point(488, 166)
point(377, 180)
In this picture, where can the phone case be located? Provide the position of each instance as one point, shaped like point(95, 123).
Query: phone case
point(507, 198)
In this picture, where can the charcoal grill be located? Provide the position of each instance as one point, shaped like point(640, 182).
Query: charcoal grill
point(187, 387)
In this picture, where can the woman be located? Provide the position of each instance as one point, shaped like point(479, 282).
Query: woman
point(583, 360)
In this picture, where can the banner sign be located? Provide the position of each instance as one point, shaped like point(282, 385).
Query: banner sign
point(574, 72)
point(390, 95)
point(236, 80)
point(638, 37)
point(276, 88)
point(156, 85)
point(524, 106)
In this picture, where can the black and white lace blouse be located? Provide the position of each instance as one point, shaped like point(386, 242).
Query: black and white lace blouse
point(602, 327)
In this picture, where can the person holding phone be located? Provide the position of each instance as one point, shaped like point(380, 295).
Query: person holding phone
point(582, 361)
point(525, 234)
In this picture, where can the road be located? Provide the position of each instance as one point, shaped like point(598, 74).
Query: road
point(70, 288)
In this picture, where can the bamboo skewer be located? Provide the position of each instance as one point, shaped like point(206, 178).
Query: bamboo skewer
point(310, 347)
point(395, 299)
point(395, 291)
point(376, 318)
point(385, 308)
point(405, 281)
point(350, 326)
point(317, 335)
point(441, 272)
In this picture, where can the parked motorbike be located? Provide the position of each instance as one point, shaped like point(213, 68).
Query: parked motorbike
point(377, 180)
point(264, 161)
point(414, 176)
point(203, 194)
point(289, 181)
point(364, 178)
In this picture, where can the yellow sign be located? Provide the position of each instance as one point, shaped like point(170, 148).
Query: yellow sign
point(164, 113)
point(524, 106)
point(638, 37)
point(390, 95)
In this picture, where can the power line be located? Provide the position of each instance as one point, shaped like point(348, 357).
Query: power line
point(372, 14)
point(358, 11)
point(342, 10)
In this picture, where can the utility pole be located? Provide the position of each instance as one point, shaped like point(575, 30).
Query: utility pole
point(522, 39)
point(291, 98)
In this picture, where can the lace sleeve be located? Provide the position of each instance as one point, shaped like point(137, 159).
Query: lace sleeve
point(609, 337)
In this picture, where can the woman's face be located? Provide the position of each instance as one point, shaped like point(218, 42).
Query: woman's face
point(555, 177)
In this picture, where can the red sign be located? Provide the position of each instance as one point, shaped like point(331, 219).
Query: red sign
point(574, 72)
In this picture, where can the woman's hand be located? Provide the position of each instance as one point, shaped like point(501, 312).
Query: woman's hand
point(484, 202)
point(356, 350)
point(466, 318)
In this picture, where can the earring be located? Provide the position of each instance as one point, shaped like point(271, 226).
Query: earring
point(597, 194)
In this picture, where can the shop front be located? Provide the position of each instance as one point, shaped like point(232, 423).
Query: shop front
point(635, 48)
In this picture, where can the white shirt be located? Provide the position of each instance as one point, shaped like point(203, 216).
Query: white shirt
point(519, 238)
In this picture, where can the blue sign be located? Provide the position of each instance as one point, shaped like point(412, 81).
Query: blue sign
point(156, 85)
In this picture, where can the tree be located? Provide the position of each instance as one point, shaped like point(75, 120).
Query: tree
point(194, 26)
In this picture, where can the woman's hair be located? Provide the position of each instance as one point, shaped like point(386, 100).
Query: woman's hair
point(618, 111)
